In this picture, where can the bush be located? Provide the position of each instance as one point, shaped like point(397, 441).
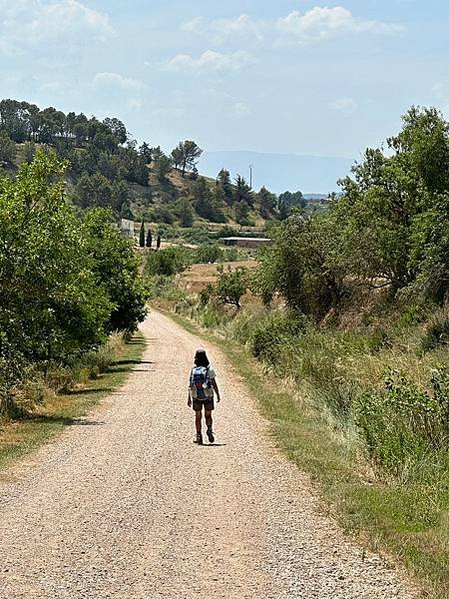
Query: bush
point(272, 335)
point(167, 262)
point(208, 254)
point(437, 332)
point(404, 424)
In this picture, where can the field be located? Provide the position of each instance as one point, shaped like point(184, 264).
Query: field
point(198, 276)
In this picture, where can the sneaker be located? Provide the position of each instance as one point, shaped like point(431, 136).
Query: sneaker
point(210, 435)
point(198, 439)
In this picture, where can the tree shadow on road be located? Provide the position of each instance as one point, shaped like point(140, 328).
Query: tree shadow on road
point(65, 420)
point(89, 391)
point(124, 362)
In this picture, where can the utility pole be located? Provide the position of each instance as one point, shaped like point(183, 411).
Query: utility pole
point(251, 166)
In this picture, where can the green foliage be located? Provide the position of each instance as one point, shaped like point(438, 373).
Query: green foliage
point(205, 203)
point(64, 284)
point(271, 335)
point(142, 234)
point(231, 285)
point(167, 262)
point(7, 149)
point(287, 201)
point(162, 167)
point(116, 270)
point(186, 155)
point(405, 425)
point(50, 304)
point(437, 332)
point(300, 266)
point(208, 254)
point(225, 186)
point(185, 213)
point(267, 202)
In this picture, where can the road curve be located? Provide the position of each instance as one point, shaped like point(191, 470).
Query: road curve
point(126, 506)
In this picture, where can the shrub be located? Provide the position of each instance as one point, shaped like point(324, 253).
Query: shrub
point(404, 424)
point(208, 254)
point(167, 262)
point(437, 332)
point(272, 335)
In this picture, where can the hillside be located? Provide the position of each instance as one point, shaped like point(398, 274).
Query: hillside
point(107, 168)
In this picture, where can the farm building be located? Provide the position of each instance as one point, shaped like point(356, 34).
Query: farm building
point(246, 242)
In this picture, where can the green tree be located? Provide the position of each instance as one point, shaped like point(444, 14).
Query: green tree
point(7, 149)
point(29, 151)
point(162, 167)
point(142, 234)
point(93, 190)
point(287, 201)
point(242, 213)
point(186, 155)
point(149, 239)
point(206, 205)
point(224, 183)
point(166, 262)
point(116, 271)
point(267, 202)
point(185, 213)
point(231, 286)
point(301, 265)
point(242, 192)
point(51, 307)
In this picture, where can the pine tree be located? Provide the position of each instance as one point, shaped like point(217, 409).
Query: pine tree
point(224, 182)
point(142, 234)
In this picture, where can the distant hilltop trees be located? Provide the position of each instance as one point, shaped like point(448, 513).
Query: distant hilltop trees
point(108, 168)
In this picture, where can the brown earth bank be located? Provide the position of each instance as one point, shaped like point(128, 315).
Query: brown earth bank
point(125, 505)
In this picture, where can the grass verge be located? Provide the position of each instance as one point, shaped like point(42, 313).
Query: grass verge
point(393, 519)
point(17, 438)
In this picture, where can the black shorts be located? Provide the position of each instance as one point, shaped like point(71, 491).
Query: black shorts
point(208, 405)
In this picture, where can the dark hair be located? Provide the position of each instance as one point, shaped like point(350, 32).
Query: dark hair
point(201, 358)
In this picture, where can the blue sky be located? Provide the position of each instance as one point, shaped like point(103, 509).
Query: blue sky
point(325, 79)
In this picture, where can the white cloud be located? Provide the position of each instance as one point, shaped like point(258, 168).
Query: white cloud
point(220, 29)
point(241, 110)
point(346, 106)
point(323, 23)
point(53, 87)
point(211, 61)
point(27, 22)
point(118, 81)
point(195, 25)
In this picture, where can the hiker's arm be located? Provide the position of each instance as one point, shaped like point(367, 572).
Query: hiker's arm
point(217, 391)
point(189, 399)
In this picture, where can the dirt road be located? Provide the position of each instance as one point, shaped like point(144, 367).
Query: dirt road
point(126, 506)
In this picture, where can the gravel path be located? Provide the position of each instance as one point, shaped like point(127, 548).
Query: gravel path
point(127, 506)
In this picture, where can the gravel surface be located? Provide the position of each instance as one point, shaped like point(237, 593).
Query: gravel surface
point(125, 505)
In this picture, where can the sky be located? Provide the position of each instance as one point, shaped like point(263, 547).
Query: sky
point(298, 77)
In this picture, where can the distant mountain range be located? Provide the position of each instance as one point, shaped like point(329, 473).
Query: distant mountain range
point(313, 175)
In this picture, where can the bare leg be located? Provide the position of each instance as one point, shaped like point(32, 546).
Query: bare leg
point(198, 421)
point(209, 419)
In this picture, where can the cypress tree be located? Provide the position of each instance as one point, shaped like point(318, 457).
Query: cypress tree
point(158, 242)
point(149, 239)
point(142, 235)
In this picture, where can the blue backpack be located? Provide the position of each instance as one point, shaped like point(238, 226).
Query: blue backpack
point(200, 384)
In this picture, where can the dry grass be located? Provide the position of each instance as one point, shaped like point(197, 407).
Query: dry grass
point(198, 276)
point(17, 438)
